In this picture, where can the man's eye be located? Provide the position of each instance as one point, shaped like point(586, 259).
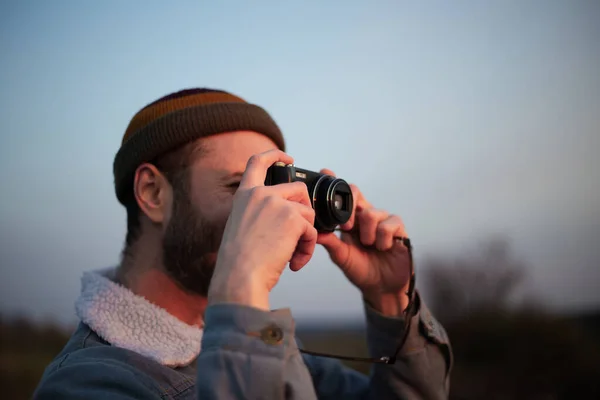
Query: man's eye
point(234, 185)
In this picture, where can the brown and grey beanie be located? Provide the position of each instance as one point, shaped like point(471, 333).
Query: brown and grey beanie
point(180, 118)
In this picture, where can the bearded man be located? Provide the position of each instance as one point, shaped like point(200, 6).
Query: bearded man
point(186, 313)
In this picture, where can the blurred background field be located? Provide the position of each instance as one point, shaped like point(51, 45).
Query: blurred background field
point(520, 356)
point(465, 118)
point(503, 349)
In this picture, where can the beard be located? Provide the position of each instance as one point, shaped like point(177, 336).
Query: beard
point(190, 245)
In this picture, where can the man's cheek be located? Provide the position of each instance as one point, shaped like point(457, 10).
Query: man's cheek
point(218, 221)
point(222, 212)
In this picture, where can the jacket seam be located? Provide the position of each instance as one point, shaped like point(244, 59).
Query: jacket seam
point(182, 392)
point(85, 338)
point(62, 361)
point(176, 389)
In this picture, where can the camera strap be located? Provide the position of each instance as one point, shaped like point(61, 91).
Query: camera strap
point(408, 312)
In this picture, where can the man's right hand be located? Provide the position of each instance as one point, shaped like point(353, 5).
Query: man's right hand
point(268, 227)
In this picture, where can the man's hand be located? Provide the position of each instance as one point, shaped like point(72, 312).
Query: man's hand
point(370, 257)
point(268, 227)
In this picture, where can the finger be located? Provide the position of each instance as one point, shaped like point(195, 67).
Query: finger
point(305, 248)
point(306, 212)
point(337, 249)
point(327, 172)
point(258, 164)
point(359, 203)
point(368, 220)
point(387, 230)
point(293, 191)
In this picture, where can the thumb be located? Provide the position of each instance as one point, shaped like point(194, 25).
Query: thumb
point(337, 249)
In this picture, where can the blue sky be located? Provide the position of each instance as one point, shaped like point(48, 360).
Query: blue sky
point(466, 118)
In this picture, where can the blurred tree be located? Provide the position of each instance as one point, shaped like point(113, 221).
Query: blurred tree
point(504, 348)
point(26, 348)
point(488, 278)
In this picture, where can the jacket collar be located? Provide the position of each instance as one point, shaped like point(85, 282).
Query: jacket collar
point(129, 321)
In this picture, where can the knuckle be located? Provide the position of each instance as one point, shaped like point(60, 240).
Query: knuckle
point(302, 188)
point(256, 159)
point(270, 200)
point(299, 186)
point(303, 212)
point(275, 153)
point(257, 192)
point(398, 220)
point(288, 208)
point(387, 229)
point(362, 217)
point(380, 213)
point(311, 214)
point(289, 212)
point(368, 215)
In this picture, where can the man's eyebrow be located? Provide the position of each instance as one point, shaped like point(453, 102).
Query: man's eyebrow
point(233, 176)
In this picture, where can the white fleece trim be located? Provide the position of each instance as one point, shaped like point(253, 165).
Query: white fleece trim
point(129, 321)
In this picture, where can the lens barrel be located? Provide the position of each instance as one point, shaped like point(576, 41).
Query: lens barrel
point(332, 200)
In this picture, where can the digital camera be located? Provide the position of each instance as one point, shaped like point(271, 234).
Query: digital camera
point(330, 197)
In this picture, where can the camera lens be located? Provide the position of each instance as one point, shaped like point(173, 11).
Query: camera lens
point(339, 201)
point(332, 201)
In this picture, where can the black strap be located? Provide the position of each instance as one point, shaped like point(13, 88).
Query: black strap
point(409, 312)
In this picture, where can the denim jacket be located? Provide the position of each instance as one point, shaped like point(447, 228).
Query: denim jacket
point(130, 350)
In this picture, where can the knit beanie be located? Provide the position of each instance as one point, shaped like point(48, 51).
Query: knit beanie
point(180, 118)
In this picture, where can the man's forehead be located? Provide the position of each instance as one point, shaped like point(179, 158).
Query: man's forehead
point(231, 151)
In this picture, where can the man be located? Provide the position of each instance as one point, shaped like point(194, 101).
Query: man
point(186, 314)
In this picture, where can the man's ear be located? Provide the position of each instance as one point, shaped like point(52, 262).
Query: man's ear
point(152, 192)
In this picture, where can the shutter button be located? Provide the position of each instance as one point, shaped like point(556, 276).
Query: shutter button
point(271, 335)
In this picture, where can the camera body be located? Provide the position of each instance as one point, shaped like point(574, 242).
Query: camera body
point(330, 197)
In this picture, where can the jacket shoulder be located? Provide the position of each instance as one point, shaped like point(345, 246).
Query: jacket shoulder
point(88, 367)
point(83, 374)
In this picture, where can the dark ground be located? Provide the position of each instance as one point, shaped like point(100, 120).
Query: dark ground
point(511, 356)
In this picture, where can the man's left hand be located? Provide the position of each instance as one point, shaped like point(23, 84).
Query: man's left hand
point(370, 257)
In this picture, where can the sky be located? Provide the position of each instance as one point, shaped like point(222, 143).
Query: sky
point(467, 119)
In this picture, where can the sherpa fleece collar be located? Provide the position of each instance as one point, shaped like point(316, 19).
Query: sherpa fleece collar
point(129, 321)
